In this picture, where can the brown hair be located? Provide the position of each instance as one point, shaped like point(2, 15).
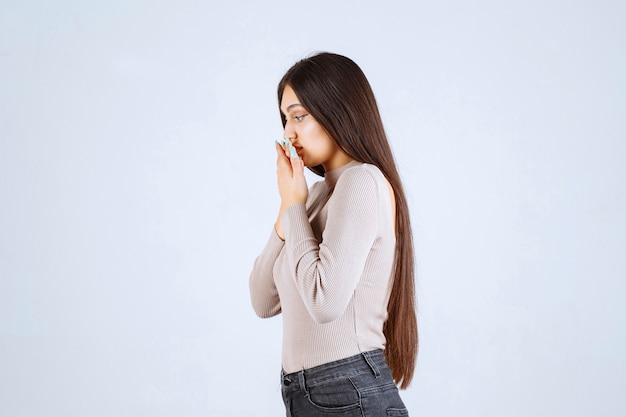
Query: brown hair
point(337, 94)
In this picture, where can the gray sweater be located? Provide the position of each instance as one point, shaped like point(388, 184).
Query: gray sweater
point(331, 277)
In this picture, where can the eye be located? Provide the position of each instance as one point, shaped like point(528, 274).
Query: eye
point(300, 118)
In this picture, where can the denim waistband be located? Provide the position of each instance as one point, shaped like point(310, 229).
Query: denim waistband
point(372, 361)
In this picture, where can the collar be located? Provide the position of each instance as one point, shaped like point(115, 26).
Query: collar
point(332, 176)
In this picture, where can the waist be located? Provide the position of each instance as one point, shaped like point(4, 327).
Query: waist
point(372, 362)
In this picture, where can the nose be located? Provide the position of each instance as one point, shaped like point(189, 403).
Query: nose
point(289, 131)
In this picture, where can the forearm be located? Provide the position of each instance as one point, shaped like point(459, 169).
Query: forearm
point(327, 272)
point(263, 292)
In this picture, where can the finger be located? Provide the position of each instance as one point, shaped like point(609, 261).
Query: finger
point(297, 165)
point(290, 150)
point(280, 151)
point(283, 164)
point(279, 147)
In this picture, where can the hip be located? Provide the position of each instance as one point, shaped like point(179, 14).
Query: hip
point(359, 386)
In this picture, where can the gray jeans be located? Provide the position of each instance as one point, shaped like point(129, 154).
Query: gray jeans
point(358, 386)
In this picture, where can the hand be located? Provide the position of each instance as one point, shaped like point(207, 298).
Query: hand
point(292, 185)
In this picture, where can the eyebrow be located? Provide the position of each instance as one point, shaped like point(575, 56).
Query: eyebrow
point(289, 107)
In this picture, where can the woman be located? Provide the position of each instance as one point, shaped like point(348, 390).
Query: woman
point(339, 263)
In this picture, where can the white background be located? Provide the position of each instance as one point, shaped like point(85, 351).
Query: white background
point(137, 185)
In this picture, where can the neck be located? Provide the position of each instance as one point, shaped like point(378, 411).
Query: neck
point(338, 160)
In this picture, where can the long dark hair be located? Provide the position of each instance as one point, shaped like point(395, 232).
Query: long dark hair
point(337, 94)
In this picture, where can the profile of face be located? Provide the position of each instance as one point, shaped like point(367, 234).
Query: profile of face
point(310, 139)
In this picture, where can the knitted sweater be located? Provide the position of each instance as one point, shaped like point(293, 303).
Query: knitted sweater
point(331, 277)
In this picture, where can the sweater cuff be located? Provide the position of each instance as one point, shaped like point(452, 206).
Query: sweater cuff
point(275, 243)
point(295, 221)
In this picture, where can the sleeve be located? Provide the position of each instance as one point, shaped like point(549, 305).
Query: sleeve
point(263, 292)
point(327, 273)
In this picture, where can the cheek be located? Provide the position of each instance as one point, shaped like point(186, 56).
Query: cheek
point(317, 145)
point(315, 141)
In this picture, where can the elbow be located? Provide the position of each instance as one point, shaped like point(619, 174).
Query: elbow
point(263, 315)
point(324, 315)
point(266, 314)
point(266, 311)
point(265, 300)
point(325, 309)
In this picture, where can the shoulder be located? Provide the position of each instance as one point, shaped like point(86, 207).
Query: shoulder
point(317, 191)
point(368, 175)
point(318, 187)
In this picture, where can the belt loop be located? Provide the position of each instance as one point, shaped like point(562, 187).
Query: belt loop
point(372, 365)
point(302, 380)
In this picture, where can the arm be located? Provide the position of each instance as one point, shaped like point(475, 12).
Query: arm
point(327, 274)
point(292, 189)
point(263, 292)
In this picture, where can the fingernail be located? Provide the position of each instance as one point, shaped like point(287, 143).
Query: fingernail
point(292, 151)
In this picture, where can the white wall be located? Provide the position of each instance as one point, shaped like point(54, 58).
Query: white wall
point(137, 186)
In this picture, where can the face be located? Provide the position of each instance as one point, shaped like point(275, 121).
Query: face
point(311, 141)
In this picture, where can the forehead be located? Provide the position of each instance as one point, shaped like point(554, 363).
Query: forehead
point(289, 99)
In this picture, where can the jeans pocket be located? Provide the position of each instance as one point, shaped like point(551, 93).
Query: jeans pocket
point(397, 412)
point(337, 395)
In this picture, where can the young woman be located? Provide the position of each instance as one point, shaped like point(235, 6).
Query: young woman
point(339, 263)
